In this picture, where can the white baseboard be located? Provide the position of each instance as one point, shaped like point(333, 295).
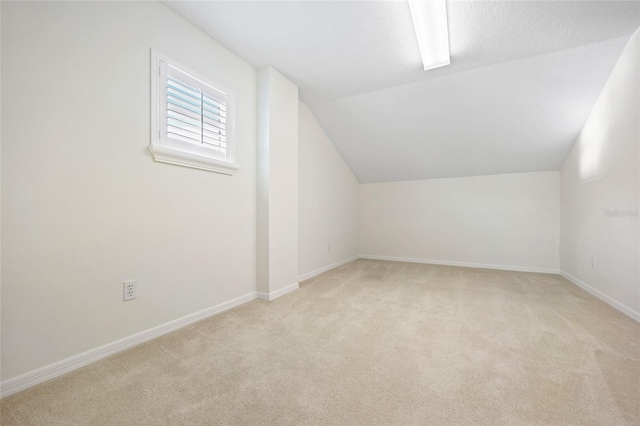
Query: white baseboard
point(463, 264)
point(278, 293)
point(600, 295)
point(59, 368)
point(319, 271)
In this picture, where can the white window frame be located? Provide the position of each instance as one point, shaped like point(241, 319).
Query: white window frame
point(167, 150)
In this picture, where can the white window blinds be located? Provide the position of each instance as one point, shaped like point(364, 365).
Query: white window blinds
point(192, 118)
point(194, 112)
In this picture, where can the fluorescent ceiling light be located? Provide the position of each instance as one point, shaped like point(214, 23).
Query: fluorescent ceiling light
point(430, 22)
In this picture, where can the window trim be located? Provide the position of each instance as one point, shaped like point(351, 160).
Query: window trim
point(166, 151)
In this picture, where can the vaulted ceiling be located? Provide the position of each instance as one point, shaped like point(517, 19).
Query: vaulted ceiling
point(523, 78)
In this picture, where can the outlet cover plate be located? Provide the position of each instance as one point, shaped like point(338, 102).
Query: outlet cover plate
point(130, 290)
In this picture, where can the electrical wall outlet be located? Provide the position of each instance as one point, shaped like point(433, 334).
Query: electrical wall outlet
point(130, 290)
point(593, 261)
point(329, 247)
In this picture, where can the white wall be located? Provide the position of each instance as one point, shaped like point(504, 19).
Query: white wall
point(506, 221)
point(600, 174)
point(278, 183)
point(327, 200)
point(84, 206)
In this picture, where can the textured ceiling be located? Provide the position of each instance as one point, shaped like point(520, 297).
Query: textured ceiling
point(523, 78)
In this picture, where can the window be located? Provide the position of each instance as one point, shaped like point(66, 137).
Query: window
point(192, 119)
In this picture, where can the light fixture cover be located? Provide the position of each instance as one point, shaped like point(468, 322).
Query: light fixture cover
point(430, 22)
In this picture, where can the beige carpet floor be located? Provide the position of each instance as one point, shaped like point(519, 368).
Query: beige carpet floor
point(369, 343)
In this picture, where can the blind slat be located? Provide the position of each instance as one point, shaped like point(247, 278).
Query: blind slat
point(178, 129)
point(218, 103)
point(194, 109)
point(174, 81)
point(216, 143)
point(214, 111)
point(173, 108)
point(181, 135)
point(174, 86)
point(214, 136)
point(214, 129)
point(179, 97)
point(195, 121)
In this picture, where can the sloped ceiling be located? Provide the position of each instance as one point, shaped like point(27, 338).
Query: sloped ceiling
point(523, 78)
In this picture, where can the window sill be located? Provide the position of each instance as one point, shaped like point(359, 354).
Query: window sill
point(168, 155)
